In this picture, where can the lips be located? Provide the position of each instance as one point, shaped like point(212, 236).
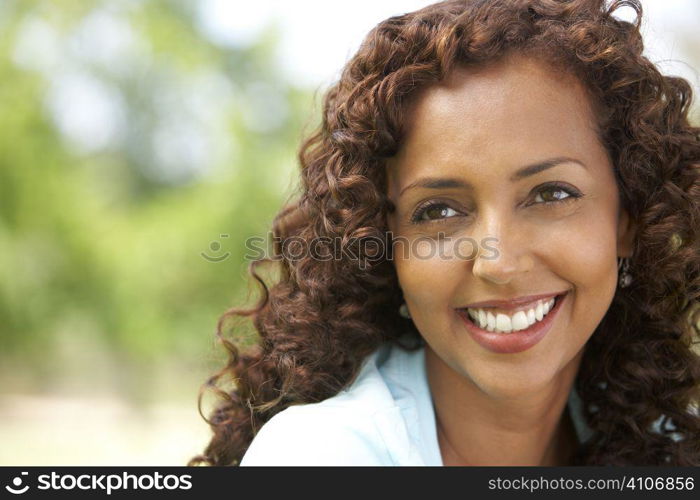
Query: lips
point(505, 321)
point(504, 342)
point(515, 302)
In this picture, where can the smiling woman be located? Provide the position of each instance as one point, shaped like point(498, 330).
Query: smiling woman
point(536, 126)
point(550, 255)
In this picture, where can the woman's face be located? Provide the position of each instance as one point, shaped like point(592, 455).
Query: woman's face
point(555, 229)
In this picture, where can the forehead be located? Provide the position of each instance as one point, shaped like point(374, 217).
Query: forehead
point(508, 113)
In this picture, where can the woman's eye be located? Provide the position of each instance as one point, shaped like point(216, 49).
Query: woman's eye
point(432, 212)
point(552, 194)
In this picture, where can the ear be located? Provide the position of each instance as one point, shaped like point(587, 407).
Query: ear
point(626, 231)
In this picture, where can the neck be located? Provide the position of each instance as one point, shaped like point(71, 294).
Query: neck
point(478, 428)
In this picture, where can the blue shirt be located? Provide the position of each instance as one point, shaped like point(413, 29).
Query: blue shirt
point(385, 417)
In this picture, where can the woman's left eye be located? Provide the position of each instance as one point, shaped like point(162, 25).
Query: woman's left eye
point(555, 193)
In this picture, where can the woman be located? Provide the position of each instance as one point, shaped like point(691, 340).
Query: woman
point(537, 181)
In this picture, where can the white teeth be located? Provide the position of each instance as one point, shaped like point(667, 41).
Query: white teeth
point(531, 317)
point(547, 306)
point(538, 311)
point(519, 321)
point(490, 322)
point(504, 323)
point(482, 318)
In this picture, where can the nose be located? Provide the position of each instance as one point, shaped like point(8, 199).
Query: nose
point(512, 244)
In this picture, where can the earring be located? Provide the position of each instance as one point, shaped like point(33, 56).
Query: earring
point(625, 278)
point(403, 311)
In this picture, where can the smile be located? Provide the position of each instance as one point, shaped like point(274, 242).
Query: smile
point(503, 321)
point(515, 329)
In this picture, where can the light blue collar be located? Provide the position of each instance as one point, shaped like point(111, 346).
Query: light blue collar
point(416, 402)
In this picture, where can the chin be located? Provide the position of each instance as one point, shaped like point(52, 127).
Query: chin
point(502, 380)
point(498, 390)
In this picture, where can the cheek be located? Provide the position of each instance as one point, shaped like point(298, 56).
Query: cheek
point(583, 252)
point(428, 277)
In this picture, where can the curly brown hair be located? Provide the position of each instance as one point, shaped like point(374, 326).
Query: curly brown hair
point(320, 318)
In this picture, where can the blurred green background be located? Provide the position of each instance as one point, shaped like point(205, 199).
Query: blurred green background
point(141, 143)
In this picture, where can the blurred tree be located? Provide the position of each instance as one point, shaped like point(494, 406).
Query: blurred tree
point(130, 145)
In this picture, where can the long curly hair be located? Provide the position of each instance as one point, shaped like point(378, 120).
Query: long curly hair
point(318, 318)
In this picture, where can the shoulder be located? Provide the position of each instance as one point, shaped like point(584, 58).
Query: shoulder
point(361, 425)
point(318, 435)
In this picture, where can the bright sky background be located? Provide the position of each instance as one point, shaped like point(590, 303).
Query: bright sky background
point(320, 35)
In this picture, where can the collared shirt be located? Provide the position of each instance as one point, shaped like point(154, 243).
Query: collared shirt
point(385, 417)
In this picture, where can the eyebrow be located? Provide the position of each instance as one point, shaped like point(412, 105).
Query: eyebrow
point(521, 173)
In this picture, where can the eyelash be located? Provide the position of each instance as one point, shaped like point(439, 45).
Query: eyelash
point(572, 193)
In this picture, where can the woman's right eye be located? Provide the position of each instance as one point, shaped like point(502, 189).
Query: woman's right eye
point(433, 212)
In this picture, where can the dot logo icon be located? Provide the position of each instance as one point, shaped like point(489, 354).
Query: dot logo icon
point(17, 488)
point(215, 246)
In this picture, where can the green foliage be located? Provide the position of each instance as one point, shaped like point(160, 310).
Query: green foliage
point(101, 242)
